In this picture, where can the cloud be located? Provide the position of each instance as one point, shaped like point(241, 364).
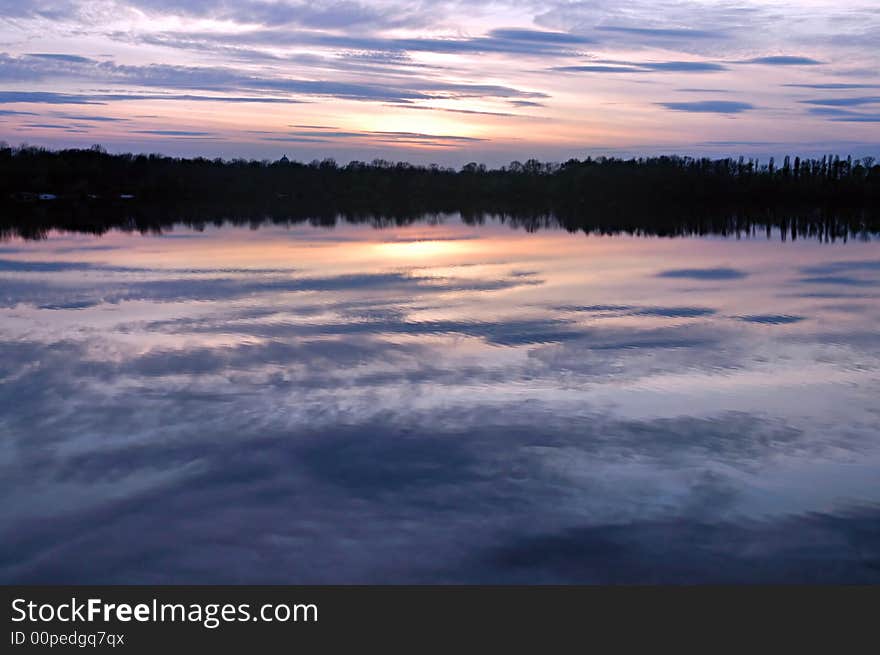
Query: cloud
point(293, 51)
point(663, 33)
point(598, 68)
point(323, 135)
point(709, 106)
point(834, 86)
point(51, 98)
point(74, 304)
point(319, 134)
point(173, 132)
point(318, 15)
point(406, 135)
point(46, 97)
point(62, 57)
point(843, 102)
point(456, 111)
point(683, 66)
point(91, 118)
point(783, 60)
point(643, 67)
point(527, 42)
point(46, 10)
point(538, 36)
point(525, 103)
point(843, 280)
point(35, 67)
point(466, 90)
point(230, 80)
point(47, 126)
point(844, 115)
point(735, 142)
point(295, 139)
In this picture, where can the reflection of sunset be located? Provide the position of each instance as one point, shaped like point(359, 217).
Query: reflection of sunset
point(431, 83)
point(427, 248)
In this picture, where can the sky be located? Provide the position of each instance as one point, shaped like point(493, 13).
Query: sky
point(442, 81)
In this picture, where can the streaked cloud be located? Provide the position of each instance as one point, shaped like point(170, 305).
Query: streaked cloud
point(644, 67)
point(834, 86)
point(844, 102)
point(452, 67)
point(783, 60)
point(318, 134)
point(50, 98)
point(172, 132)
point(663, 32)
point(844, 115)
point(529, 42)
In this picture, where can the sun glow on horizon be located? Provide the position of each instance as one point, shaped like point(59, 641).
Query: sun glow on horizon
point(431, 83)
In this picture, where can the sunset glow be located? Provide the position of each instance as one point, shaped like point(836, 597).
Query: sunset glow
point(447, 82)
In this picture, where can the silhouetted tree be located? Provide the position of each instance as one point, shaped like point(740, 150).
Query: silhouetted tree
point(659, 195)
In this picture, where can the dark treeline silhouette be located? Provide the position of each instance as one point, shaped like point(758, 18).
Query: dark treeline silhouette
point(91, 190)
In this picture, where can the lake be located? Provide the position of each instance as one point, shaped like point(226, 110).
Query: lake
point(438, 402)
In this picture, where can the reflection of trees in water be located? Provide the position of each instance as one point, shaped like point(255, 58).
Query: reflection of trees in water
point(35, 221)
point(828, 198)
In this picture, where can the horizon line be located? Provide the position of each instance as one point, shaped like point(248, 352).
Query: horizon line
point(99, 148)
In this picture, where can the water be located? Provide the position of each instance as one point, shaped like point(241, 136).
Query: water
point(438, 402)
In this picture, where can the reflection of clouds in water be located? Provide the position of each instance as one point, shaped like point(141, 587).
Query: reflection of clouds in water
point(771, 319)
point(276, 425)
point(392, 499)
point(859, 273)
point(705, 273)
point(617, 354)
point(312, 356)
point(628, 310)
point(95, 291)
point(256, 502)
point(503, 332)
point(675, 312)
point(843, 280)
point(25, 266)
point(842, 267)
point(812, 548)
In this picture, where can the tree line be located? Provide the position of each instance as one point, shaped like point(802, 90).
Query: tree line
point(93, 189)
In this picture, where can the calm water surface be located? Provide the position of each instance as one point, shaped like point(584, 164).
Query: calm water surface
point(438, 403)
